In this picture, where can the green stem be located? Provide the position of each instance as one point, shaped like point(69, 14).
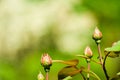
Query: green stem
point(95, 61)
point(88, 75)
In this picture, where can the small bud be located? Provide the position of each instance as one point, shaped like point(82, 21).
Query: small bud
point(46, 62)
point(97, 35)
point(113, 44)
point(40, 76)
point(88, 52)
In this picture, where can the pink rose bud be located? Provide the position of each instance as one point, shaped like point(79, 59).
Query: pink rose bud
point(97, 35)
point(46, 61)
point(40, 76)
point(88, 52)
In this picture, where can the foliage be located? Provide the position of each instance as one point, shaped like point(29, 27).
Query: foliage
point(113, 51)
point(72, 69)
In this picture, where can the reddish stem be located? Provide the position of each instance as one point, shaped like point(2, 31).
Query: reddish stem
point(102, 62)
point(100, 55)
point(47, 76)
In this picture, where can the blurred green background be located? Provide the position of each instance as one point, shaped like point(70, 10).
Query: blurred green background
point(62, 28)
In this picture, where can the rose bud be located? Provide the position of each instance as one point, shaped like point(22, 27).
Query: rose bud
point(113, 44)
point(88, 52)
point(97, 35)
point(46, 61)
point(40, 76)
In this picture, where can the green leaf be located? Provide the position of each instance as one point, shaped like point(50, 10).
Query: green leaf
point(113, 51)
point(117, 77)
point(118, 73)
point(68, 71)
point(69, 62)
point(67, 78)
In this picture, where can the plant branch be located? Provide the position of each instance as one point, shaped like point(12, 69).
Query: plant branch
point(95, 61)
point(102, 62)
point(105, 71)
point(82, 56)
point(83, 76)
point(88, 75)
point(100, 54)
point(47, 76)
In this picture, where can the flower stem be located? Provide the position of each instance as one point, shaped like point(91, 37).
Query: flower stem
point(100, 55)
point(105, 71)
point(83, 76)
point(47, 76)
point(88, 75)
point(102, 62)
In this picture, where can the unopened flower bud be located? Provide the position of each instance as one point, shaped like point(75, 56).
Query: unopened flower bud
point(114, 43)
point(88, 52)
point(46, 61)
point(97, 35)
point(40, 76)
